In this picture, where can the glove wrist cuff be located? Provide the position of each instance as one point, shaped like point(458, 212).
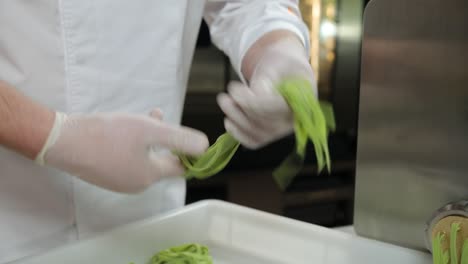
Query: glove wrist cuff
point(54, 133)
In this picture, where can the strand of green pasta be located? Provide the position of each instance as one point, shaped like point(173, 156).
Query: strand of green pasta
point(185, 254)
point(313, 120)
point(464, 256)
point(213, 160)
point(439, 257)
point(455, 227)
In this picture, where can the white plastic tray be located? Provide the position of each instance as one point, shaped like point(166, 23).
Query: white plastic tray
point(234, 234)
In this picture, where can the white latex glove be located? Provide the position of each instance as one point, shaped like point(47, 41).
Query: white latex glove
point(117, 151)
point(257, 114)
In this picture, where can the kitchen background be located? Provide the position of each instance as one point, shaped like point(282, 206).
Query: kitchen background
point(323, 199)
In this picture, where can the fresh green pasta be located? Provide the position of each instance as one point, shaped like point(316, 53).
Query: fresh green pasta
point(213, 160)
point(440, 256)
point(455, 227)
point(313, 120)
point(184, 254)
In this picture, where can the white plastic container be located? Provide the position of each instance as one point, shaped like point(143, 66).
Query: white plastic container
point(234, 235)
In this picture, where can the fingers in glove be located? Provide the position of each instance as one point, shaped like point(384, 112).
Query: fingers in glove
point(274, 102)
point(160, 165)
point(241, 94)
point(166, 165)
point(262, 86)
point(177, 138)
point(246, 100)
point(260, 104)
point(235, 114)
point(245, 138)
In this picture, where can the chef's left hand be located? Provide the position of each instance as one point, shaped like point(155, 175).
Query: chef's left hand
point(256, 114)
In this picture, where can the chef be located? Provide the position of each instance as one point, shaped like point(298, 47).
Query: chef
point(91, 96)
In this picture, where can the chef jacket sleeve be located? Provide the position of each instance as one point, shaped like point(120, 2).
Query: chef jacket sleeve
point(236, 24)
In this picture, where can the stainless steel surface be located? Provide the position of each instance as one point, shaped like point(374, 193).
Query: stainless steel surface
point(413, 117)
point(348, 53)
point(335, 35)
point(459, 208)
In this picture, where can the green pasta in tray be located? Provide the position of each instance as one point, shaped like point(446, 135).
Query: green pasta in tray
point(313, 121)
point(184, 254)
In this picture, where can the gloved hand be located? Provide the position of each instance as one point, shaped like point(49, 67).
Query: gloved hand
point(119, 152)
point(257, 114)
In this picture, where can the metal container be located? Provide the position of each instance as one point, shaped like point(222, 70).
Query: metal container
point(413, 117)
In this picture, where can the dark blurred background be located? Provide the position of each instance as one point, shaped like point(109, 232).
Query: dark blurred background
point(323, 199)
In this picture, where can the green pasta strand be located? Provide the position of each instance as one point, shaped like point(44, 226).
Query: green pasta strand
point(442, 256)
point(184, 254)
point(455, 227)
point(445, 257)
point(437, 255)
point(464, 256)
point(288, 169)
point(213, 160)
point(313, 121)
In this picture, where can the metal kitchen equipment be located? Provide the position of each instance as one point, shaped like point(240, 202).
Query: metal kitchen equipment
point(449, 212)
point(413, 117)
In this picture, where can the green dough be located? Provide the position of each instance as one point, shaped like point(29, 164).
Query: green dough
point(184, 254)
point(313, 120)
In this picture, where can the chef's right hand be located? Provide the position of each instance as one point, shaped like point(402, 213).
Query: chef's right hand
point(119, 152)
